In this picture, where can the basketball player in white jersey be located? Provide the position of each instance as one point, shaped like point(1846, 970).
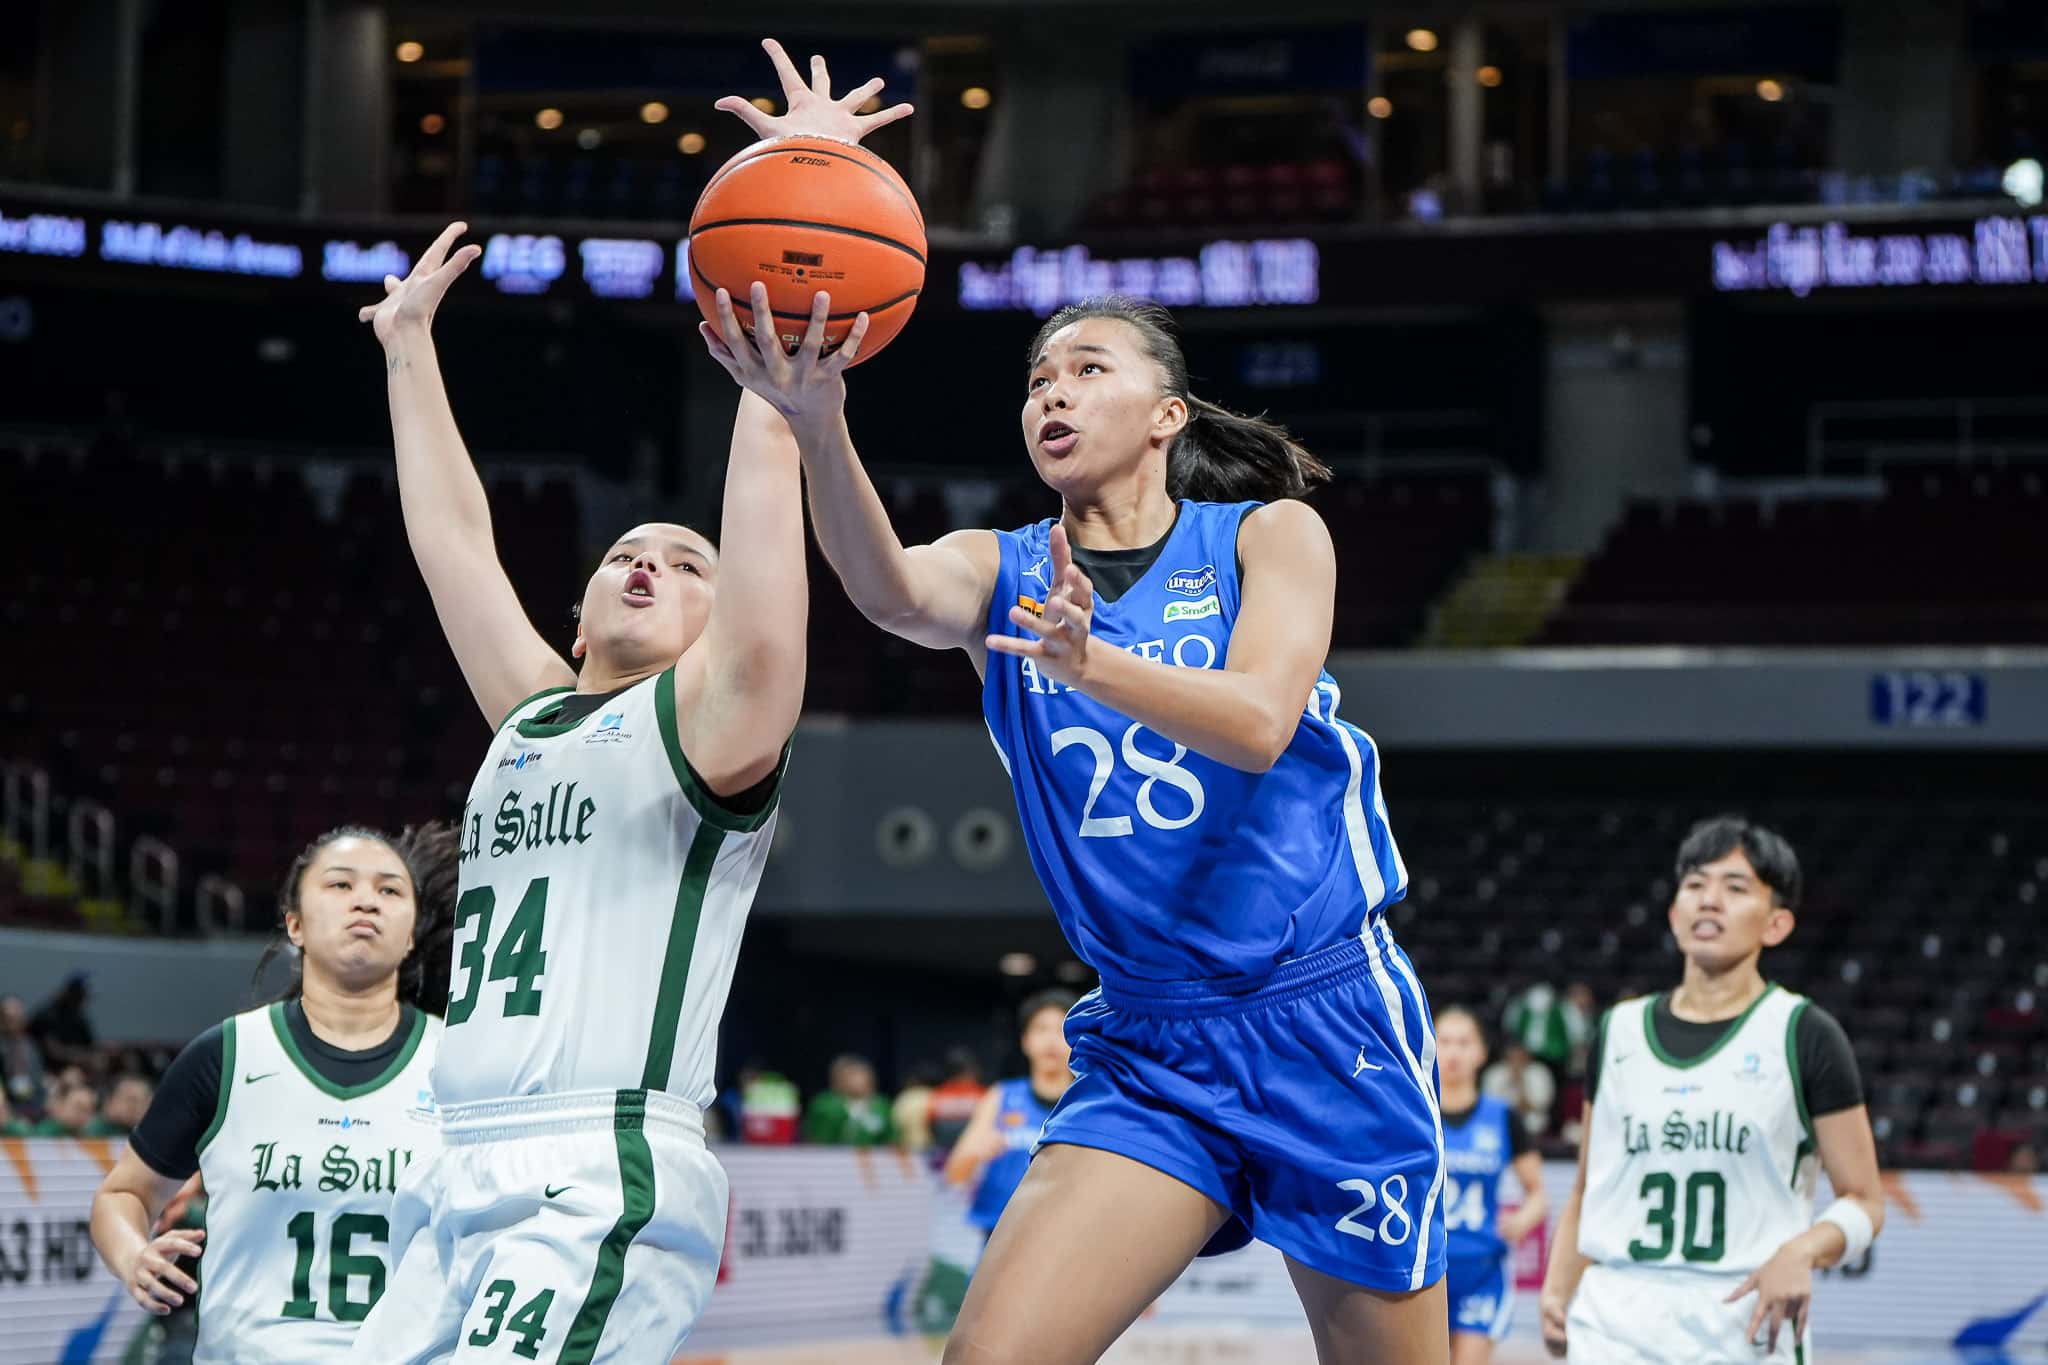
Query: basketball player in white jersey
point(612, 842)
point(1689, 1235)
point(303, 1117)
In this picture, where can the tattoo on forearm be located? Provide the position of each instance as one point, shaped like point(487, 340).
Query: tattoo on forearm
point(392, 362)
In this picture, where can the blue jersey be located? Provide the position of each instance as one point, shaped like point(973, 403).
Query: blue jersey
point(1475, 1153)
point(1162, 864)
point(1020, 1115)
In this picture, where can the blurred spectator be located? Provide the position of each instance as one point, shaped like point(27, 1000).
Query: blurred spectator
point(768, 1106)
point(2023, 1160)
point(10, 1126)
point(954, 1100)
point(1525, 1084)
point(21, 1062)
point(69, 1111)
point(1550, 1025)
point(1581, 1011)
point(126, 1103)
point(912, 1112)
point(848, 1113)
point(60, 1027)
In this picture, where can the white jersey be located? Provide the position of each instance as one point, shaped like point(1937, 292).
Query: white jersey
point(299, 1177)
point(604, 892)
point(1704, 1165)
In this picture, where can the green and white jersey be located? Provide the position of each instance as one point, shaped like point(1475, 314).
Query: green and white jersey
point(604, 892)
point(299, 1176)
point(1704, 1165)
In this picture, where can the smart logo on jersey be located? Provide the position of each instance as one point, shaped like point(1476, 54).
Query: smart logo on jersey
point(1192, 582)
point(1192, 611)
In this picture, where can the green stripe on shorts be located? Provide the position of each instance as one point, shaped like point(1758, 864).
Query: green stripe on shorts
point(636, 1180)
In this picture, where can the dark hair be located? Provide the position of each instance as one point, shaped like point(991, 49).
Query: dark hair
point(1052, 998)
point(430, 854)
point(961, 1060)
point(1478, 1025)
point(1220, 455)
point(1777, 866)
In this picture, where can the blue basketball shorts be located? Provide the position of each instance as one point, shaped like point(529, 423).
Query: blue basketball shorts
point(1304, 1102)
point(1482, 1294)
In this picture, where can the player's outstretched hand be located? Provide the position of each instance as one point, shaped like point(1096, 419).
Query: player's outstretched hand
point(807, 388)
point(1061, 650)
point(154, 1280)
point(810, 109)
point(411, 302)
point(1783, 1287)
point(1553, 1309)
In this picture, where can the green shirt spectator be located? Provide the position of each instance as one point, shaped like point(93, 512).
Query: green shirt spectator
point(850, 1113)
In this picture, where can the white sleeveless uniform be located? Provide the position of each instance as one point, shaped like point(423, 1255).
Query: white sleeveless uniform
point(575, 1214)
point(1696, 1173)
point(300, 1175)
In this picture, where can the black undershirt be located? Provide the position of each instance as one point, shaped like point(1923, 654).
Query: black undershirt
point(578, 705)
point(1113, 572)
point(167, 1139)
point(1828, 1077)
point(1518, 1133)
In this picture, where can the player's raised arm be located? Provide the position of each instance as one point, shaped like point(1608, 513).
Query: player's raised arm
point(934, 595)
point(447, 517)
point(741, 686)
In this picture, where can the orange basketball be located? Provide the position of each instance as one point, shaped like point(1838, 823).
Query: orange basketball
point(801, 214)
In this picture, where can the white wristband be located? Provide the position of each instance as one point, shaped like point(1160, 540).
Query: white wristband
point(1848, 1215)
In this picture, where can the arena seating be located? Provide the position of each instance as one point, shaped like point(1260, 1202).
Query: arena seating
point(234, 695)
point(1945, 556)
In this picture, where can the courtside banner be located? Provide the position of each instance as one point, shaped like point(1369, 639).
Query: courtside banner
point(818, 1240)
point(1963, 1261)
point(57, 1302)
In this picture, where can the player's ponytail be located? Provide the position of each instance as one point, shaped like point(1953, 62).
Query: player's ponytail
point(1220, 455)
point(432, 853)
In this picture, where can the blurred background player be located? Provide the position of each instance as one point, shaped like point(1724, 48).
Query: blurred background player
point(956, 1098)
point(1215, 845)
point(1483, 1139)
point(1689, 1234)
point(575, 1214)
point(297, 1240)
point(1005, 1126)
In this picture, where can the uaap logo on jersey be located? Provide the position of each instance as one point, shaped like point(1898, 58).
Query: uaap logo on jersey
point(1192, 582)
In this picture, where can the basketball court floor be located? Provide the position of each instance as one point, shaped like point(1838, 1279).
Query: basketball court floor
point(1222, 1344)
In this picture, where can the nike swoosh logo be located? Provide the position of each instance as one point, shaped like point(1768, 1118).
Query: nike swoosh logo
point(247, 1079)
point(552, 1190)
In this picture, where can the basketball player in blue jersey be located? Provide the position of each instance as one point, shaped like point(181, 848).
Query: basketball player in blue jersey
point(1006, 1123)
point(1482, 1139)
point(1258, 1061)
